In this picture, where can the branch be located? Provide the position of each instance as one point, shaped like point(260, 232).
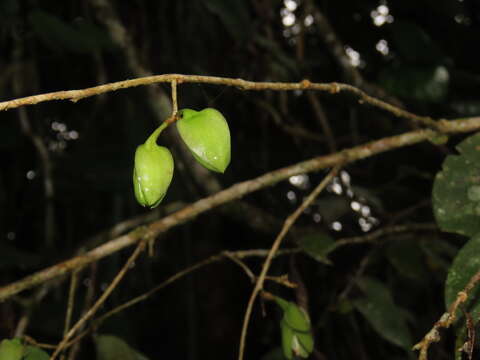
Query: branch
point(289, 221)
point(235, 192)
point(76, 95)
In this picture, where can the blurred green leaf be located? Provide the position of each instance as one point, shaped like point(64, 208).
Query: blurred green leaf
point(407, 258)
point(377, 306)
point(234, 16)
point(317, 246)
point(423, 83)
point(414, 44)
point(110, 347)
point(34, 353)
point(59, 35)
point(456, 190)
point(464, 266)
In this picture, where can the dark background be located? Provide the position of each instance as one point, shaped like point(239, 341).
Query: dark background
point(65, 168)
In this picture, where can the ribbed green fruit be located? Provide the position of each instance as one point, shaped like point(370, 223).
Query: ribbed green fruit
point(152, 173)
point(207, 136)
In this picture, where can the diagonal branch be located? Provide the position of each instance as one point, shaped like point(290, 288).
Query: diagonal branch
point(235, 192)
point(276, 244)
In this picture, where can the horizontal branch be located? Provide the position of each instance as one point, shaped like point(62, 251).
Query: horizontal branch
point(75, 95)
point(234, 192)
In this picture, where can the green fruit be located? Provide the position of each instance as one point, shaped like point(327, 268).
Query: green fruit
point(11, 349)
point(287, 338)
point(152, 173)
point(207, 136)
point(297, 338)
point(297, 318)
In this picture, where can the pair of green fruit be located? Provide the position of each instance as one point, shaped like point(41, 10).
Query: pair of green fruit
point(206, 135)
point(297, 338)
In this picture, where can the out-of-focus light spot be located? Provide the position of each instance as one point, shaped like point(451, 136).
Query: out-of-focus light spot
point(355, 205)
point(87, 282)
point(300, 181)
point(296, 29)
point(308, 21)
point(381, 15)
point(345, 177)
point(350, 193)
point(73, 134)
point(31, 174)
point(11, 235)
point(291, 196)
point(365, 210)
point(336, 188)
point(290, 4)
point(297, 93)
point(382, 47)
point(317, 217)
point(353, 56)
point(288, 19)
point(337, 226)
point(364, 224)
point(462, 19)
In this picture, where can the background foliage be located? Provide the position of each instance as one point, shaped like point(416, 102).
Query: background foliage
point(369, 301)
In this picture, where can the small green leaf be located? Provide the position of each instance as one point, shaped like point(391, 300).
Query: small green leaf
point(34, 353)
point(456, 203)
point(317, 246)
point(152, 173)
point(110, 347)
point(423, 83)
point(11, 349)
point(207, 135)
point(407, 258)
point(377, 306)
point(464, 266)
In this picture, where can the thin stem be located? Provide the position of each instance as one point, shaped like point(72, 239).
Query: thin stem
point(101, 300)
point(174, 97)
point(152, 139)
point(276, 244)
point(71, 300)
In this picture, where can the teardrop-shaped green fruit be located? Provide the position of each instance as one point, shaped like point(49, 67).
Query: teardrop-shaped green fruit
point(11, 349)
point(207, 135)
point(152, 173)
point(297, 318)
point(287, 339)
point(302, 344)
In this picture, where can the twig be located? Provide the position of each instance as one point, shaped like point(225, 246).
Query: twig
point(174, 97)
point(333, 88)
point(236, 191)
point(276, 244)
point(71, 300)
point(447, 318)
point(101, 300)
point(212, 259)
